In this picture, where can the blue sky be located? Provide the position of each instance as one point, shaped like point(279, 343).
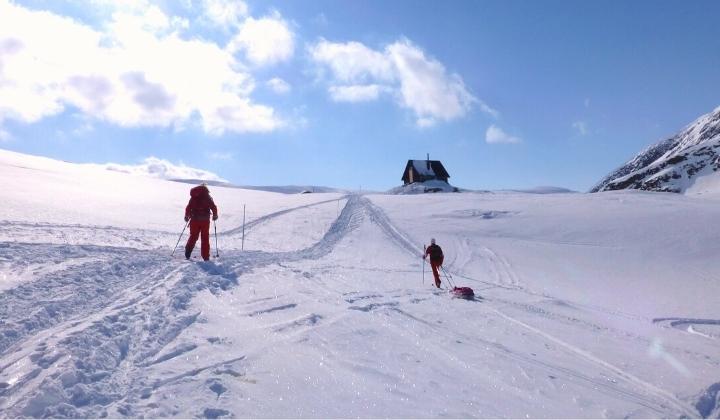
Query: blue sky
point(508, 94)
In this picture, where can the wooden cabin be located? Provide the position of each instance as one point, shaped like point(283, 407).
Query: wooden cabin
point(424, 170)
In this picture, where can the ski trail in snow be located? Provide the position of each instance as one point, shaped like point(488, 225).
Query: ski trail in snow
point(420, 329)
point(685, 408)
point(74, 234)
point(502, 268)
point(262, 219)
point(378, 216)
point(103, 354)
point(109, 355)
point(506, 278)
point(75, 290)
point(690, 325)
point(104, 322)
point(138, 238)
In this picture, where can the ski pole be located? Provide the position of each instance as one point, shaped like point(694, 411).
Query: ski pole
point(217, 251)
point(180, 237)
point(424, 250)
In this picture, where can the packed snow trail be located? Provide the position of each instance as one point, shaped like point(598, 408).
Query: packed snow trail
point(403, 241)
point(110, 331)
point(117, 313)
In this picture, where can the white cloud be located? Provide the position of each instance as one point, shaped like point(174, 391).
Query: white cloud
point(426, 122)
point(496, 135)
point(420, 83)
point(354, 93)
point(488, 110)
point(225, 13)
point(160, 168)
point(264, 41)
point(137, 71)
point(278, 85)
point(581, 127)
point(425, 86)
point(353, 62)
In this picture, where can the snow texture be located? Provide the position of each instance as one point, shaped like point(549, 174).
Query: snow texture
point(423, 168)
point(675, 164)
point(430, 186)
point(587, 305)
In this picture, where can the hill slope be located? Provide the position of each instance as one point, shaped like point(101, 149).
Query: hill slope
point(674, 164)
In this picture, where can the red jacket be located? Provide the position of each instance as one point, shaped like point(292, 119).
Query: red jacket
point(200, 204)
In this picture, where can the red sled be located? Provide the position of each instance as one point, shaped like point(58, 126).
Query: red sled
point(462, 292)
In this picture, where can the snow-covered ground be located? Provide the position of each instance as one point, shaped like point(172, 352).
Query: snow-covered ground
point(589, 305)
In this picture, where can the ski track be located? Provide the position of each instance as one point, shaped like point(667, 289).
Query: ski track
point(689, 325)
point(116, 321)
point(77, 234)
point(506, 277)
point(114, 312)
point(670, 399)
point(262, 219)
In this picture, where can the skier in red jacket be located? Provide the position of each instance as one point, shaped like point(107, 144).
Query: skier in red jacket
point(436, 260)
point(198, 213)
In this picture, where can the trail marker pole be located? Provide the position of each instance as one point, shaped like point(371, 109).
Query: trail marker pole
point(242, 247)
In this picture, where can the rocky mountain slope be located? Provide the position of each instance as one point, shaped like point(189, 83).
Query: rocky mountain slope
point(674, 164)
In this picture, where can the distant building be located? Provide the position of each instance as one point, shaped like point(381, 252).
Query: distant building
point(424, 170)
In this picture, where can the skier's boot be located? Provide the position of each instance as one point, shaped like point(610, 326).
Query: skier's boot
point(188, 252)
point(437, 283)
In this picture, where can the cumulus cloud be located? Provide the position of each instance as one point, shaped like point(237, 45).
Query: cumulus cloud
point(496, 135)
point(160, 168)
point(278, 85)
point(425, 86)
point(135, 71)
point(355, 93)
point(353, 62)
point(264, 41)
point(225, 13)
point(420, 83)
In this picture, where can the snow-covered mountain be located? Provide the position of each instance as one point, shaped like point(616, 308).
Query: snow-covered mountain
point(321, 307)
point(674, 164)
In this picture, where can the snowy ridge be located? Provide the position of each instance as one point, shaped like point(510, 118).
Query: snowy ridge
point(326, 313)
point(674, 164)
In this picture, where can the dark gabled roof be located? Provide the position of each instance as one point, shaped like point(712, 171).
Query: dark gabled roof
point(436, 169)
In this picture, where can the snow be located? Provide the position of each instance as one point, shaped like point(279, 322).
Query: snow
point(429, 186)
point(674, 164)
point(423, 168)
point(588, 305)
point(545, 189)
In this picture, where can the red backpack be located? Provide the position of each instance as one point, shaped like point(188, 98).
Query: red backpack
point(200, 203)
